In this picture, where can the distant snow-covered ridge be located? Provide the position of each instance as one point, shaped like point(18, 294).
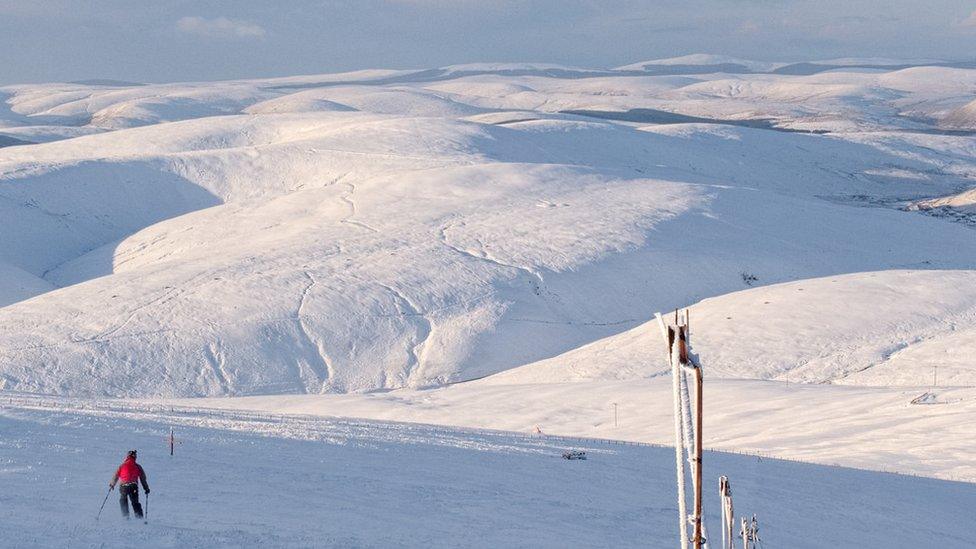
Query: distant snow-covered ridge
point(385, 229)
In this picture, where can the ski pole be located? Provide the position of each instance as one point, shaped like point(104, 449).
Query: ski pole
point(110, 488)
point(146, 516)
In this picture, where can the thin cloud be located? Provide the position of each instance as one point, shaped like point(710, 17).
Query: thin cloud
point(748, 27)
point(220, 27)
point(969, 21)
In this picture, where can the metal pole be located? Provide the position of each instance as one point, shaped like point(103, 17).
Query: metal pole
point(668, 333)
point(99, 515)
point(697, 462)
point(698, 458)
point(721, 491)
point(614, 414)
point(728, 513)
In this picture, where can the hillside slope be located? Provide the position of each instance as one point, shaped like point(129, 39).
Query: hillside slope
point(378, 230)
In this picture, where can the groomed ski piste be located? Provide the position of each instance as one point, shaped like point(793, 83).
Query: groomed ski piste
point(248, 479)
point(376, 307)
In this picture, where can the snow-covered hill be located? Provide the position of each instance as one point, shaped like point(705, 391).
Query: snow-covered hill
point(386, 229)
point(870, 370)
point(703, 61)
point(876, 329)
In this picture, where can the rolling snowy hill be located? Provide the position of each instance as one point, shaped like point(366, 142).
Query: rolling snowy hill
point(383, 229)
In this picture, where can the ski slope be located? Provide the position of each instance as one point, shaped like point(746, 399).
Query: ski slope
point(250, 480)
point(872, 428)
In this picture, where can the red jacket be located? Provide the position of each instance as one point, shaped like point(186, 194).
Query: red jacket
point(130, 472)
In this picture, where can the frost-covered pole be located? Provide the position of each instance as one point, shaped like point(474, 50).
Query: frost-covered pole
point(679, 459)
point(728, 512)
point(693, 437)
point(681, 358)
point(687, 428)
point(699, 519)
point(750, 533)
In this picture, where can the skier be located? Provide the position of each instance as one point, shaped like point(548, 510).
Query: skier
point(127, 475)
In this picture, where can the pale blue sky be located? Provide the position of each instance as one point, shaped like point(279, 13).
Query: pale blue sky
point(166, 40)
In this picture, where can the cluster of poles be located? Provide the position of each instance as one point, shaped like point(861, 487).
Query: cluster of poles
point(686, 371)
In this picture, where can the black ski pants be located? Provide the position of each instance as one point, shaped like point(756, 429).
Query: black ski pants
point(130, 492)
